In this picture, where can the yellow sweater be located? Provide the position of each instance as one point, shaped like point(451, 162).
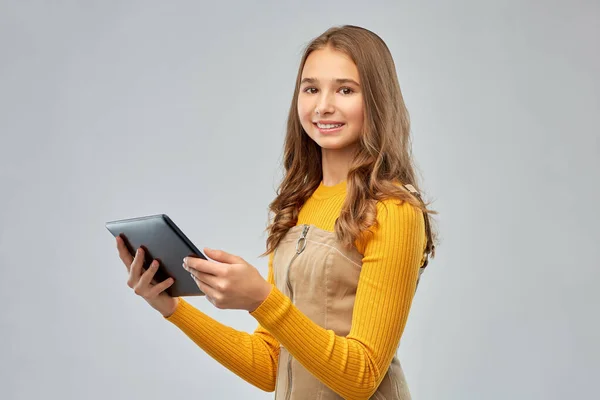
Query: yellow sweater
point(391, 261)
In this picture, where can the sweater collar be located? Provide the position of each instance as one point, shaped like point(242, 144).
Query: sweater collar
point(325, 192)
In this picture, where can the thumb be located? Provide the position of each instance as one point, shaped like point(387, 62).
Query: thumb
point(222, 256)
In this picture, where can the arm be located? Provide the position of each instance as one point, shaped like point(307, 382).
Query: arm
point(253, 357)
point(353, 366)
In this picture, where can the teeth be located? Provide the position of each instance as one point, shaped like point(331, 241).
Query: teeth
point(328, 126)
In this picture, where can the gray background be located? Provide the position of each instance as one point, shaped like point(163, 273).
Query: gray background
point(117, 109)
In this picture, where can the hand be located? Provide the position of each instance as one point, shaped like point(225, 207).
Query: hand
point(142, 282)
point(229, 283)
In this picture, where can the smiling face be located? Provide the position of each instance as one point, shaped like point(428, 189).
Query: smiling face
point(330, 101)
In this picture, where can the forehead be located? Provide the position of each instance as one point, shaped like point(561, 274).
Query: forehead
point(327, 63)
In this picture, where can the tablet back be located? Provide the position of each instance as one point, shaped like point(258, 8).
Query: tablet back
point(164, 241)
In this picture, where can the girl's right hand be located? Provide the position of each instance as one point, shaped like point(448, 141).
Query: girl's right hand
point(142, 283)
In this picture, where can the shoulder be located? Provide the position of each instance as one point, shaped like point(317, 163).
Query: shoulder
point(393, 212)
point(396, 222)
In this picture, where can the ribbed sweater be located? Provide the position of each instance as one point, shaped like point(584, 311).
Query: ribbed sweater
point(352, 365)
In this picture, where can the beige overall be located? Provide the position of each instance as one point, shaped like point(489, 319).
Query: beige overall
point(320, 276)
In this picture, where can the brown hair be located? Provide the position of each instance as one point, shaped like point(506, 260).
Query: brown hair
point(382, 161)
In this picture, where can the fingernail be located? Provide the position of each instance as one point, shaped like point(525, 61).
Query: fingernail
point(184, 260)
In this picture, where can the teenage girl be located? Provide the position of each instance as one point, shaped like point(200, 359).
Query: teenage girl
point(348, 240)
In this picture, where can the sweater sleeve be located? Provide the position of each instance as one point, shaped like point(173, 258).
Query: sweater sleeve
point(354, 366)
point(253, 357)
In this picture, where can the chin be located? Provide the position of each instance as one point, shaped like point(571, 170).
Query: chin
point(333, 145)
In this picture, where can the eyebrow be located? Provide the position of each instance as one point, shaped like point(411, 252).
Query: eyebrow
point(338, 80)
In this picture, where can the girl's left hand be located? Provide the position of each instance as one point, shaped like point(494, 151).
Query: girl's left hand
point(229, 283)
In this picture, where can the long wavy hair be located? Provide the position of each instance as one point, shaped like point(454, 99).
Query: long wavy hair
point(383, 163)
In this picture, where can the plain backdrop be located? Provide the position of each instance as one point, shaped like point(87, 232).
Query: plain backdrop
point(118, 109)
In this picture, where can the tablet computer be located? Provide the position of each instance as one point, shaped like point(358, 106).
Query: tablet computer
point(163, 241)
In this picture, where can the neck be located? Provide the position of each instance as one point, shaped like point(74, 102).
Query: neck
point(336, 164)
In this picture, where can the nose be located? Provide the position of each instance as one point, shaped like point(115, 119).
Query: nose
point(325, 103)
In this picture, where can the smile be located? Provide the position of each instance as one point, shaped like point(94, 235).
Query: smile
point(328, 128)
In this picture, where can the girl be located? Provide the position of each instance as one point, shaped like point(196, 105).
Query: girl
point(348, 241)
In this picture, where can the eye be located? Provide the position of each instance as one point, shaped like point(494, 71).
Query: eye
point(346, 90)
point(311, 90)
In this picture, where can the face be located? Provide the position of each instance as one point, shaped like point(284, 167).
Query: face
point(330, 101)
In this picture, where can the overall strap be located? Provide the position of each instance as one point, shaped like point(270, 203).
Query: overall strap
point(430, 248)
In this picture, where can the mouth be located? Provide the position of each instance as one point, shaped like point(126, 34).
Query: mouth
point(329, 127)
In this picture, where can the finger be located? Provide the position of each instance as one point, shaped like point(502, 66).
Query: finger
point(206, 266)
point(148, 275)
point(206, 289)
point(207, 279)
point(136, 265)
point(124, 254)
point(161, 287)
point(223, 256)
point(212, 301)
